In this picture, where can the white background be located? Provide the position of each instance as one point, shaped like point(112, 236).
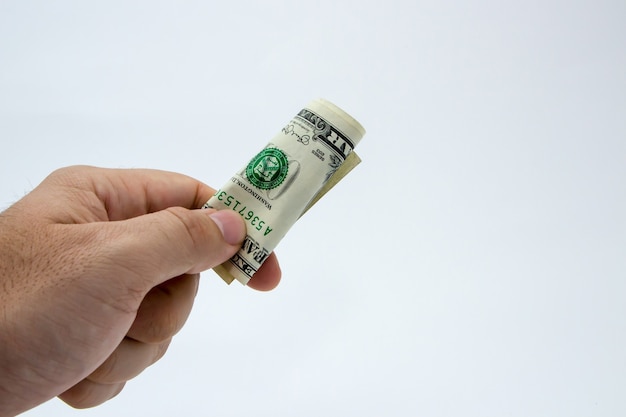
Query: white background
point(473, 265)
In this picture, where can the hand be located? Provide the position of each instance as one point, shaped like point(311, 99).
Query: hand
point(98, 270)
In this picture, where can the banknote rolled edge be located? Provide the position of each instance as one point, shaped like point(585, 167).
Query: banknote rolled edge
point(307, 158)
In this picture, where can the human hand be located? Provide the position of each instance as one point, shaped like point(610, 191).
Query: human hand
point(98, 270)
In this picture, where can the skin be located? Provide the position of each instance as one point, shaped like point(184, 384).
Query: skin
point(98, 271)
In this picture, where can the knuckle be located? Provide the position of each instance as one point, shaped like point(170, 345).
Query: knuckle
point(105, 373)
point(162, 329)
point(193, 229)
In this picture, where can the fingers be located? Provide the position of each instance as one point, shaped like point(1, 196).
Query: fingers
point(164, 310)
point(148, 250)
point(268, 276)
point(87, 394)
point(162, 313)
point(131, 193)
point(170, 239)
point(127, 193)
point(127, 361)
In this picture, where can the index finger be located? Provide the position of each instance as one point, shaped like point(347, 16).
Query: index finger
point(128, 193)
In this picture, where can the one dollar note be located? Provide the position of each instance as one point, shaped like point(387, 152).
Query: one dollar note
point(280, 183)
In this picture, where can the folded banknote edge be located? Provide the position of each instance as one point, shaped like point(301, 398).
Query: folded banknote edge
point(224, 274)
point(348, 165)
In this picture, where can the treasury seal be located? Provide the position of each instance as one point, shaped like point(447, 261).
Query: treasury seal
point(268, 169)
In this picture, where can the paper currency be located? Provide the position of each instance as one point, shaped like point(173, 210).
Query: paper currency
point(280, 183)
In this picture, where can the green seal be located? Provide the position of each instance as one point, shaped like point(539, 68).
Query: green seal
point(268, 169)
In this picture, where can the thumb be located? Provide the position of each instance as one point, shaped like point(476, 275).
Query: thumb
point(158, 246)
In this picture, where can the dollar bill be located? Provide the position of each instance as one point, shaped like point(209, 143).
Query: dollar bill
point(290, 174)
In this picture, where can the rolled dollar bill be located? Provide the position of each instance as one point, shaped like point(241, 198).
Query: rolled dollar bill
point(294, 170)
